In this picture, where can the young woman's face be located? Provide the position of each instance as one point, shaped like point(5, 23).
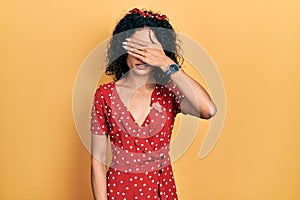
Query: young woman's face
point(134, 64)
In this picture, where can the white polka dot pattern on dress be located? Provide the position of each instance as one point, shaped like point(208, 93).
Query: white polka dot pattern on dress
point(141, 166)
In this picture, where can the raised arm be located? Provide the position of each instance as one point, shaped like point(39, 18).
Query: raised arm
point(197, 102)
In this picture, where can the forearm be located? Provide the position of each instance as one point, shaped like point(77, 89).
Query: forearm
point(197, 101)
point(99, 182)
point(193, 92)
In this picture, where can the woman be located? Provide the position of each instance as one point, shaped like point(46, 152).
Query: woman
point(137, 110)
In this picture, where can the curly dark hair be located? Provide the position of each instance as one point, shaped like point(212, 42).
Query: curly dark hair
point(116, 57)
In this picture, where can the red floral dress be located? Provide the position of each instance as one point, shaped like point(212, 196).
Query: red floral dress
point(141, 166)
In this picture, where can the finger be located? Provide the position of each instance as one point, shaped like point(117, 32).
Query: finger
point(140, 44)
point(133, 45)
point(136, 41)
point(140, 57)
point(134, 50)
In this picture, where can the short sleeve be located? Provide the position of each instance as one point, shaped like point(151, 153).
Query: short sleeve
point(176, 95)
point(99, 122)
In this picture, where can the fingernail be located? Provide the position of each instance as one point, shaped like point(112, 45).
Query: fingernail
point(124, 46)
point(124, 43)
point(127, 39)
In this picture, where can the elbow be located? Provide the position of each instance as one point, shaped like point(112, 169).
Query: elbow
point(209, 112)
point(98, 161)
point(98, 169)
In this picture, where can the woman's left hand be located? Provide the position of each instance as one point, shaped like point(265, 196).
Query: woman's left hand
point(149, 53)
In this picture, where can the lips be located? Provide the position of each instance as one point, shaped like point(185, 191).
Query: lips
point(141, 66)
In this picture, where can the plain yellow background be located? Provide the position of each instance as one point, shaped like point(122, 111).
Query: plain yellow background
point(255, 45)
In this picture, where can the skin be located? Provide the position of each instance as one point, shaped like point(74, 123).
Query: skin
point(143, 49)
point(98, 166)
point(135, 91)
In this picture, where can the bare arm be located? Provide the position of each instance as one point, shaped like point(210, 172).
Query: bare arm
point(98, 166)
point(197, 102)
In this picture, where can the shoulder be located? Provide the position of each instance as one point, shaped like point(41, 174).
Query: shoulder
point(104, 90)
point(172, 90)
point(169, 88)
point(105, 87)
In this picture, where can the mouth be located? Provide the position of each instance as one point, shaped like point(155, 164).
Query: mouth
point(142, 66)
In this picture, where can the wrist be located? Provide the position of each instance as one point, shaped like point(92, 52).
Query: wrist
point(166, 65)
point(172, 69)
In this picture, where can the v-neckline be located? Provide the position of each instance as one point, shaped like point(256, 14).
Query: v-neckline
point(127, 109)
